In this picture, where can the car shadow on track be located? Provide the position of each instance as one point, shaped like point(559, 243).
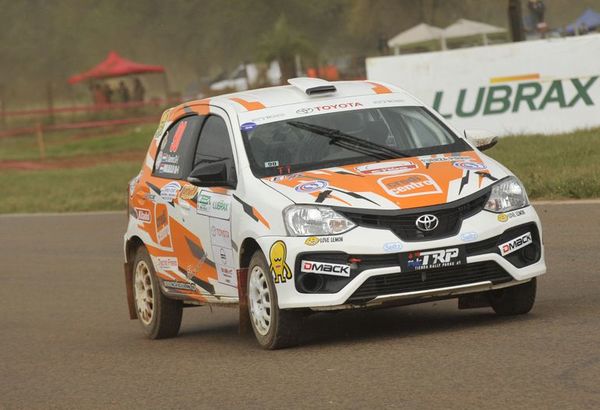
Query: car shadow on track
point(361, 326)
point(356, 326)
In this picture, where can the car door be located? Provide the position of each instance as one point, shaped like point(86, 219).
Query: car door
point(211, 218)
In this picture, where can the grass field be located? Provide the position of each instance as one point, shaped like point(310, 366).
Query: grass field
point(552, 167)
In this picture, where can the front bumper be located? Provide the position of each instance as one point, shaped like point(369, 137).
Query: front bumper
point(478, 235)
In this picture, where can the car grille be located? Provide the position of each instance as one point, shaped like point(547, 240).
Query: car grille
point(429, 279)
point(403, 223)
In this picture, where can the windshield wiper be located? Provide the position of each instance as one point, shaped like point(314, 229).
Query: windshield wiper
point(348, 141)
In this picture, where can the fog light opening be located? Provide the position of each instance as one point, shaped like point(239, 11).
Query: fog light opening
point(312, 283)
point(530, 253)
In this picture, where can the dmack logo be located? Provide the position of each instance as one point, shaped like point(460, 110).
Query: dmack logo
point(517, 243)
point(326, 268)
point(503, 98)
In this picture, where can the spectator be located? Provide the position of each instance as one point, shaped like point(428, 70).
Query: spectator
point(98, 94)
point(138, 90)
point(108, 92)
point(123, 92)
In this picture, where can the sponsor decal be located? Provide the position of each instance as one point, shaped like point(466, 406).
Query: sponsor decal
point(519, 96)
point(213, 204)
point(391, 247)
point(223, 256)
point(248, 126)
point(169, 169)
point(503, 217)
point(142, 214)
point(328, 107)
point(271, 164)
point(179, 285)
point(162, 223)
point(289, 177)
point(227, 275)
point(188, 191)
point(333, 269)
point(386, 168)
point(440, 258)
point(469, 236)
point(166, 263)
point(470, 166)
point(277, 262)
point(162, 125)
point(220, 232)
point(433, 159)
point(169, 192)
point(407, 185)
point(515, 244)
point(313, 240)
point(389, 101)
point(312, 186)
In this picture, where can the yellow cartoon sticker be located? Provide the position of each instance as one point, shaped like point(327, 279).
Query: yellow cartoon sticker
point(278, 266)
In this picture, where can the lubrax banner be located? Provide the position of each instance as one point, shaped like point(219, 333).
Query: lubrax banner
point(543, 86)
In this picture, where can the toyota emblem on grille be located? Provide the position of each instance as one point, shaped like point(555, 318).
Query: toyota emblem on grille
point(427, 222)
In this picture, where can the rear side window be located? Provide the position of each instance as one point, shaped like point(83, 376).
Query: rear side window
point(214, 144)
point(174, 158)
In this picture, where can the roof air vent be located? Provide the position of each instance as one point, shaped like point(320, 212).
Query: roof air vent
point(312, 86)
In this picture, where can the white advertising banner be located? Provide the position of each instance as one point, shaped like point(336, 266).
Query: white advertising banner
point(543, 86)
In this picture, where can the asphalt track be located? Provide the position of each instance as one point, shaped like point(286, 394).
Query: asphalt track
point(66, 341)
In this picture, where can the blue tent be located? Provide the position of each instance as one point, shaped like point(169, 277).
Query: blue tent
point(589, 19)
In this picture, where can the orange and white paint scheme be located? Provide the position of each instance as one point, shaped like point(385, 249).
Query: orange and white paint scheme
point(321, 196)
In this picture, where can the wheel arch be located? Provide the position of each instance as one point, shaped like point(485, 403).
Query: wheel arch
point(247, 249)
point(131, 247)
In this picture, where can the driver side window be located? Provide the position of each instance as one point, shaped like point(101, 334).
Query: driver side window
point(214, 144)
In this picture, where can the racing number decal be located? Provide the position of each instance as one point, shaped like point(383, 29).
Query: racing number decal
point(279, 268)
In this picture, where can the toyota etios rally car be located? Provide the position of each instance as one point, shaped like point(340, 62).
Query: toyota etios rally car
point(322, 196)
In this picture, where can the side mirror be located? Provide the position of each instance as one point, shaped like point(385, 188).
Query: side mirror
point(211, 174)
point(482, 139)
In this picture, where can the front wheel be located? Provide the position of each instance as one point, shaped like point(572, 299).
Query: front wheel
point(274, 328)
point(159, 316)
point(515, 300)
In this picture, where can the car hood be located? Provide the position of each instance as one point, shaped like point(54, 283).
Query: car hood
point(392, 184)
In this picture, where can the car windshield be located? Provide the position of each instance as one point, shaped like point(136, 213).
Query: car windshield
point(343, 138)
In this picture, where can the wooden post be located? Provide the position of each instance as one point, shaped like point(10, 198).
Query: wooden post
point(2, 104)
point(40, 140)
point(50, 99)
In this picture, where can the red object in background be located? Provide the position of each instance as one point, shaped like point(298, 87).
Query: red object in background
point(115, 66)
point(328, 72)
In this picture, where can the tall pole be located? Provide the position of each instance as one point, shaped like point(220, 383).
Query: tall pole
point(515, 18)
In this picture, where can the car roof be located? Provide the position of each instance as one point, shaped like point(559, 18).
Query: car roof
point(270, 97)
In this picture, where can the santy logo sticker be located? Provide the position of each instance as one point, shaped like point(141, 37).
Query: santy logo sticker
point(386, 168)
point(169, 191)
point(409, 185)
point(142, 214)
point(166, 263)
point(312, 186)
point(332, 269)
point(516, 244)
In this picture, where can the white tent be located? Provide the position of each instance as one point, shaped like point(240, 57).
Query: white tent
point(420, 33)
point(468, 28)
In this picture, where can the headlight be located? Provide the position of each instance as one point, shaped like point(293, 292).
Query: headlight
point(309, 220)
point(507, 195)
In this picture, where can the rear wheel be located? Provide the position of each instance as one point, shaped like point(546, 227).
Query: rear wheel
point(274, 328)
point(159, 316)
point(515, 300)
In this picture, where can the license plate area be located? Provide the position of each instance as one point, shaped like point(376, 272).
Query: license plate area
point(433, 258)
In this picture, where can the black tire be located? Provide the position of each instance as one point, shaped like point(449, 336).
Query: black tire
point(166, 313)
point(515, 300)
point(285, 324)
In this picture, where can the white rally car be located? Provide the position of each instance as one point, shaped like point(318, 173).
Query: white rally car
point(321, 196)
